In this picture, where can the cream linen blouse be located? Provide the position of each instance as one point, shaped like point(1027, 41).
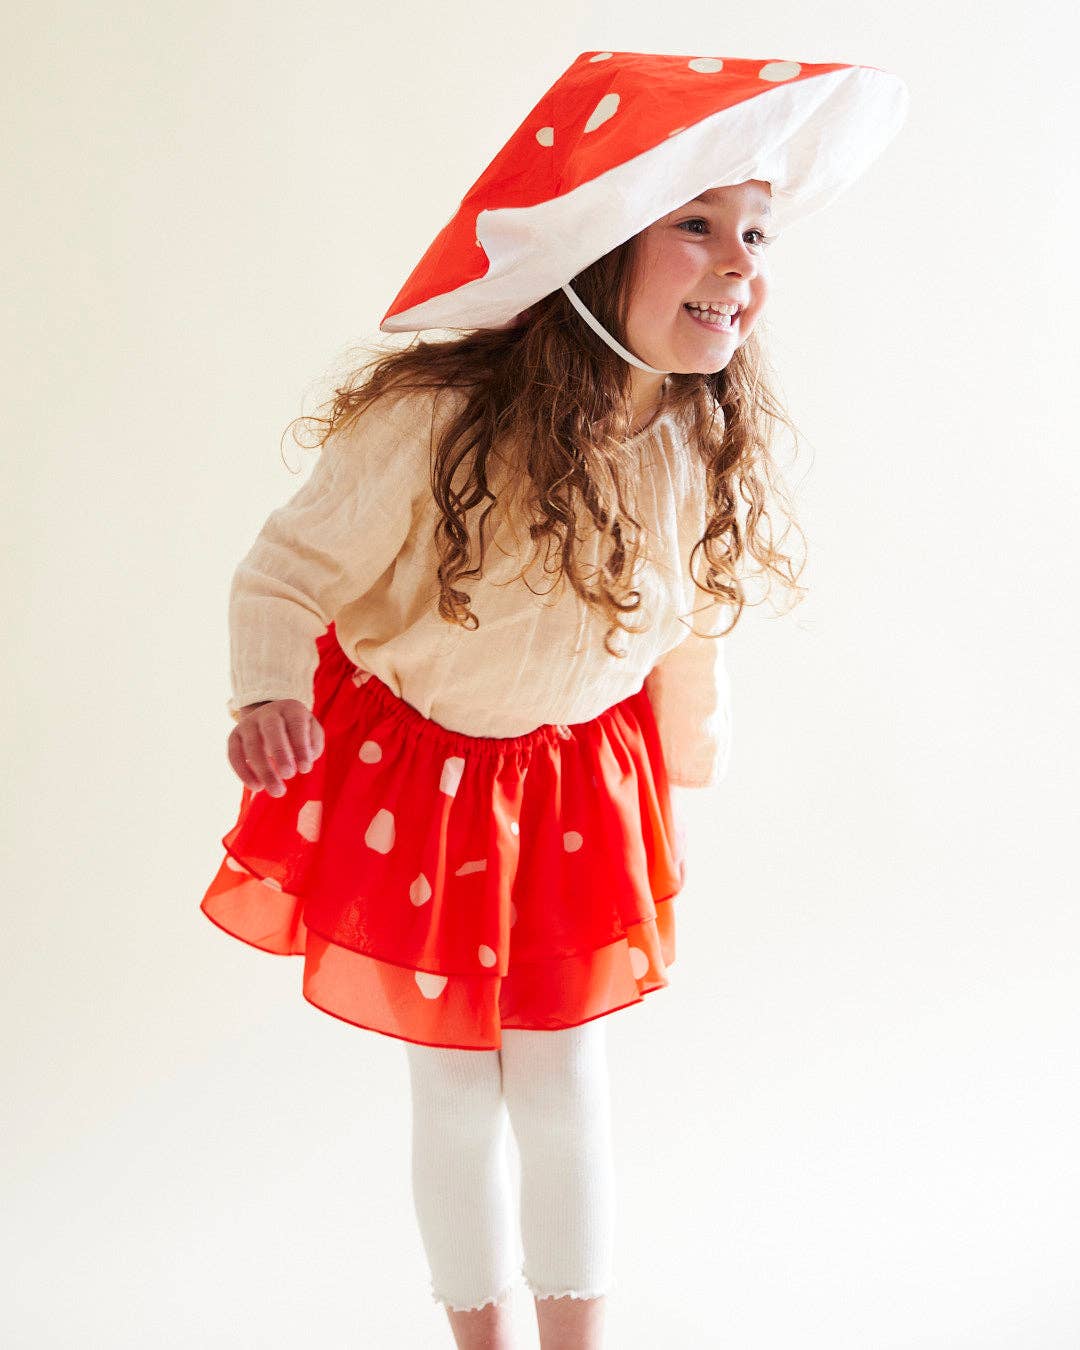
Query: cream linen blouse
point(355, 545)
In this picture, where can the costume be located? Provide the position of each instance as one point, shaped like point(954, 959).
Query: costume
point(488, 838)
point(487, 843)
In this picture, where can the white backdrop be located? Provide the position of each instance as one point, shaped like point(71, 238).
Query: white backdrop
point(850, 1122)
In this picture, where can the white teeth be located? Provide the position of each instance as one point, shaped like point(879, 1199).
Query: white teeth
point(718, 318)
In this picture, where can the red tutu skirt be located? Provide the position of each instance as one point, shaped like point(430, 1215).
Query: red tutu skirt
point(440, 886)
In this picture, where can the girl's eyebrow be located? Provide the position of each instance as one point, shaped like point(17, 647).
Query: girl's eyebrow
point(709, 198)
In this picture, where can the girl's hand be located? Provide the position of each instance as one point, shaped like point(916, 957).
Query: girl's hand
point(269, 740)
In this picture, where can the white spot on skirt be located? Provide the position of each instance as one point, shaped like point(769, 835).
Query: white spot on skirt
point(601, 56)
point(639, 962)
point(371, 752)
point(309, 821)
point(431, 986)
point(420, 890)
point(545, 136)
point(605, 109)
point(706, 64)
point(380, 833)
point(233, 865)
point(485, 955)
point(272, 882)
point(452, 770)
point(480, 865)
point(572, 841)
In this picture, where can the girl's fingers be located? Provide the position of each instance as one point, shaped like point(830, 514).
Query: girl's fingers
point(308, 739)
point(318, 738)
point(301, 726)
point(266, 747)
point(253, 748)
point(239, 761)
point(276, 739)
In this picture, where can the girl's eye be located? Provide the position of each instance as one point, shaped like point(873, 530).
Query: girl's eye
point(765, 240)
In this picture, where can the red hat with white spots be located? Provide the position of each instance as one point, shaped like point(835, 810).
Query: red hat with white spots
point(622, 139)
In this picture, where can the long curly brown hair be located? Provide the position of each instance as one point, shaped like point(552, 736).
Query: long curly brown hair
point(553, 389)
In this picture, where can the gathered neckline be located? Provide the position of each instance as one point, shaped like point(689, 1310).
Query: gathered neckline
point(663, 418)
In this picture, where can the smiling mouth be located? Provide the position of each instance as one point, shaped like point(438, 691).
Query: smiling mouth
point(721, 322)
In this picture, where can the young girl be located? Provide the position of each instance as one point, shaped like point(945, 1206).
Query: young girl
point(473, 653)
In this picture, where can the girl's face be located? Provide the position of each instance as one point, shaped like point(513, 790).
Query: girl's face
point(710, 249)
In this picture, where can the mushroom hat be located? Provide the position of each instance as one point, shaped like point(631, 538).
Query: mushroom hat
point(622, 139)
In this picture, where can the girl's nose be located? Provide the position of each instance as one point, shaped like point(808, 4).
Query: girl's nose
point(735, 263)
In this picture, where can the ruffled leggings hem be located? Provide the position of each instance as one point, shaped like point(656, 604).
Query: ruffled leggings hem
point(520, 1278)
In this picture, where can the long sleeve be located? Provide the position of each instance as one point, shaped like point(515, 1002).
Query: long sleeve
point(325, 547)
point(690, 692)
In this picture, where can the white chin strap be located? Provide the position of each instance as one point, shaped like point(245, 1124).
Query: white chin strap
point(597, 327)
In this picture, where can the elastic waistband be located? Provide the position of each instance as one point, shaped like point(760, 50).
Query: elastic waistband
point(389, 704)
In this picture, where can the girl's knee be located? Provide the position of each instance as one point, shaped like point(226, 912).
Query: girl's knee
point(556, 1086)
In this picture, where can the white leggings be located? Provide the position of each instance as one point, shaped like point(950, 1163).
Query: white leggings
point(553, 1087)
